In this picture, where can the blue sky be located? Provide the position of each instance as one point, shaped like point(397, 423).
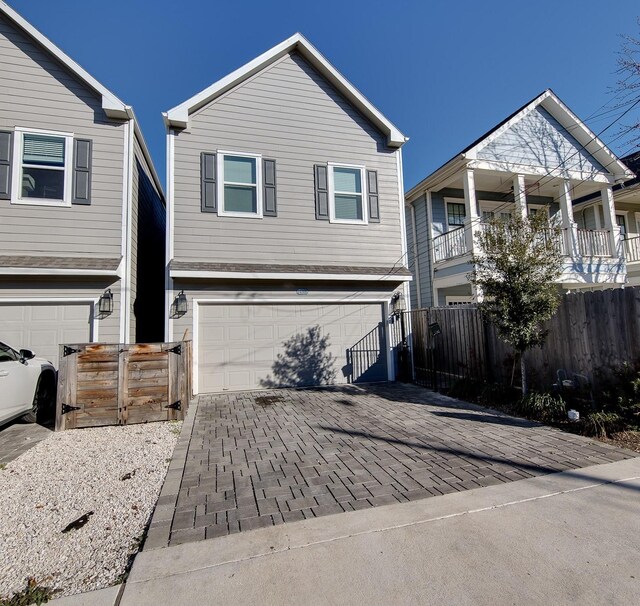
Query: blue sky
point(445, 72)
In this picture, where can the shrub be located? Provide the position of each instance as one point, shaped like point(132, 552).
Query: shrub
point(543, 407)
point(603, 424)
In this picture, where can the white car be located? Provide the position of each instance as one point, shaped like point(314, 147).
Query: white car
point(27, 385)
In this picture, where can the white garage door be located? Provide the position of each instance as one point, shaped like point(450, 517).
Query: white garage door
point(271, 345)
point(42, 327)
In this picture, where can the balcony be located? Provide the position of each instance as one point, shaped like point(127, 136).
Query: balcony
point(632, 249)
point(588, 243)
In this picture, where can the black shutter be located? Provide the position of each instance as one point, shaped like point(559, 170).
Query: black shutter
point(81, 171)
point(208, 202)
point(372, 195)
point(270, 208)
point(6, 139)
point(322, 192)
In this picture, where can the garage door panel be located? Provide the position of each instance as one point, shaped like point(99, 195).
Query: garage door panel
point(43, 327)
point(238, 345)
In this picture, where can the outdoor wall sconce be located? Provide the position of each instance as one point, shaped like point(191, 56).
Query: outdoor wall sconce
point(396, 302)
point(180, 304)
point(105, 303)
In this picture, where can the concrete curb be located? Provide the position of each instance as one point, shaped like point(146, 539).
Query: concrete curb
point(160, 525)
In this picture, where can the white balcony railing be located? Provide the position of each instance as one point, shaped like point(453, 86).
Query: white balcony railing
point(588, 243)
point(632, 249)
point(594, 243)
point(449, 245)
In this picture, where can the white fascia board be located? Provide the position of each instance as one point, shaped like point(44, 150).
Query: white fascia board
point(241, 275)
point(112, 106)
point(540, 171)
point(178, 117)
point(50, 271)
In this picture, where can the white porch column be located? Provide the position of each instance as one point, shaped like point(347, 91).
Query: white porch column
point(520, 196)
point(609, 211)
point(566, 210)
point(472, 224)
point(471, 208)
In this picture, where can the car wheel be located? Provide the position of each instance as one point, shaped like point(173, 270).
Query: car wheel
point(43, 401)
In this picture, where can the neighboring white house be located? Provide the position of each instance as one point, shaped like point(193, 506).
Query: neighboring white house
point(626, 196)
point(78, 197)
point(286, 247)
point(540, 159)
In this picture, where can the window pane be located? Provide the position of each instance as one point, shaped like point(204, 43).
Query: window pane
point(239, 170)
point(455, 213)
point(42, 183)
point(240, 199)
point(348, 207)
point(347, 180)
point(43, 149)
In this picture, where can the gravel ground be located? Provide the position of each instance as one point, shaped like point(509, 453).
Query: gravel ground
point(116, 472)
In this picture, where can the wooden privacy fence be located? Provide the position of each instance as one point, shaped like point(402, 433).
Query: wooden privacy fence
point(591, 335)
point(121, 384)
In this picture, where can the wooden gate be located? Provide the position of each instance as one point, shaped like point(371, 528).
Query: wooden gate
point(116, 384)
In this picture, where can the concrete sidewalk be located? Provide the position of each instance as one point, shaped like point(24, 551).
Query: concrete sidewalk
point(570, 537)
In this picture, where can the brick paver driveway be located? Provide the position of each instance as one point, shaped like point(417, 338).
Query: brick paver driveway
point(260, 458)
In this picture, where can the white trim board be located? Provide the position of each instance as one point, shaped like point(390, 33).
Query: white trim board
point(249, 275)
point(383, 301)
point(50, 271)
point(178, 117)
point(68, 300)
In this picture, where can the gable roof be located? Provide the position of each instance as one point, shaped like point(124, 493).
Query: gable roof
point(178, 117)
point(113, 107)
point(549, 101)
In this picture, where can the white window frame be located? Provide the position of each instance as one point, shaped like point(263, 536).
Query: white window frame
point(454, 226)
point(220, 183)
point(451, 300)
point(16, 172)
point(332, 192)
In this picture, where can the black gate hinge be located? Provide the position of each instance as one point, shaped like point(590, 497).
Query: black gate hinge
point(176, 350)
point(67, 408)
point(67, 351)
point(176, 405)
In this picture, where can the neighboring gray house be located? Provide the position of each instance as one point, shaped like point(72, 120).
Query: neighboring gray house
point(79, 198)
point(286, 246)
point(540, 159)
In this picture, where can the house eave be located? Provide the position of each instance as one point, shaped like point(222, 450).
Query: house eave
point(112, 106)
point(301, 276)
point(178, 117)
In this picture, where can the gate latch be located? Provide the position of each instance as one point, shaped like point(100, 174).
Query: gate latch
point(67, 408)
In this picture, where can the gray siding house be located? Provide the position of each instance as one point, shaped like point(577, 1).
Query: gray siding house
point(286, 238)
point(542, 158)
point(79, 197)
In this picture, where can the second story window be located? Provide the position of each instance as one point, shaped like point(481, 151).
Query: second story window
point(239, 185)
point(456, 214)
point(346, 194)
point(43, 172)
